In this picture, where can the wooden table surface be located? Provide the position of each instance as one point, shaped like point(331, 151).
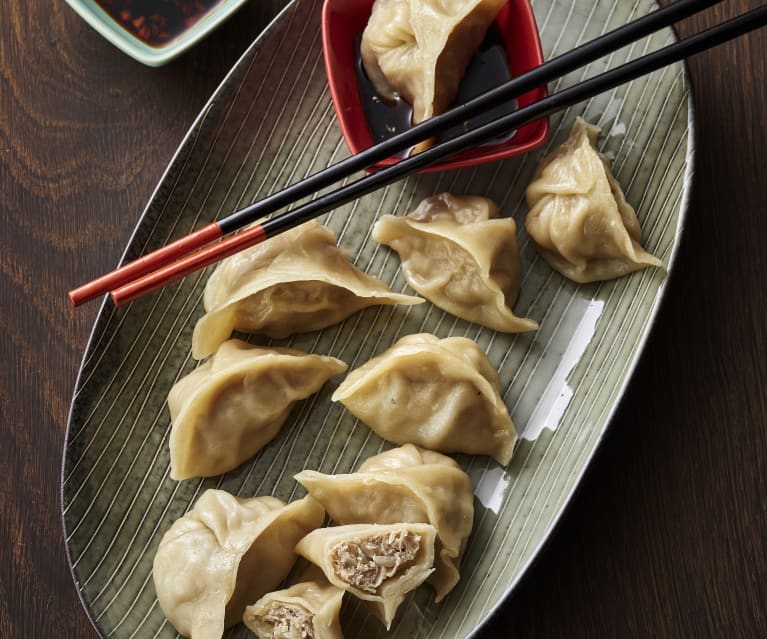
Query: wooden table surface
point(666, 536)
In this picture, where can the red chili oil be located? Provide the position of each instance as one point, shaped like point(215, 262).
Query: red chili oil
point(157, 22)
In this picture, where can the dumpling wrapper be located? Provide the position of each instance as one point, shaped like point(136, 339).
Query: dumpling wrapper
point(229, 408)
point(442, 394)
point(406, 484)
point(225, 553)
point(420, 49)
point(579, 218)
point(310, 608)
point(379, 564)
point(296, 282)
point(461, 256)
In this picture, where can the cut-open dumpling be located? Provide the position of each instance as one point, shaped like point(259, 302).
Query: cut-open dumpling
point(296, 282)
point(404, 484)
point(225, 553)
point(229, 408)
point(307, 610)
point(420, 49)
point(579, 219)
point(442, 394)
point(461, 256)
point(380, 564)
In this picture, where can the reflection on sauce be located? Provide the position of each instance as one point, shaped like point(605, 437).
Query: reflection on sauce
point(487, 69)
point(156, 22)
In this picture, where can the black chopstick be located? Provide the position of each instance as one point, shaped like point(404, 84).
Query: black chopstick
point(564, 99)
point(516, 87)
point(547, 72)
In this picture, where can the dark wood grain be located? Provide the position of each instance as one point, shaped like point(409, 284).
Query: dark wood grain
point(666, 536)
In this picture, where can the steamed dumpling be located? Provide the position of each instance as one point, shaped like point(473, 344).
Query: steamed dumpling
point(442, 394)
point(420, 49)
point(296, 282)
point(461, 256)
point(229, 408)
point(309, 609)
point(379, 564)
point(579, 219)
point(225, 553)
point(406, 484)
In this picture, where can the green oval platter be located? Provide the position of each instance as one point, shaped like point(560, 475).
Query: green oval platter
point(269, 124)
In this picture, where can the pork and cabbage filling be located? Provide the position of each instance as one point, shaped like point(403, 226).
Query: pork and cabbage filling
point(285, 621)
point(366, 564)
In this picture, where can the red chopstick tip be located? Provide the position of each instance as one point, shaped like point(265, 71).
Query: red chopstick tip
point(146, 264)
point(118, 300)
point(84, 293)
point(188, 264)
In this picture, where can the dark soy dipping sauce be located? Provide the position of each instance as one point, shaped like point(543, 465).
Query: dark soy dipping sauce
point(156, 22)
point(488, 68)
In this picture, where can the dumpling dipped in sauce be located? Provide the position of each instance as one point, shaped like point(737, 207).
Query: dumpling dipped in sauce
point(420, 49)
point(579, 218)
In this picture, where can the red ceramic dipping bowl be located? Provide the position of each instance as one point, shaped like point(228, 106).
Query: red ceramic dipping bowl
point(342, 23)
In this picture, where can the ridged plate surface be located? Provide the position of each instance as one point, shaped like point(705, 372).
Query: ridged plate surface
point(270, 124)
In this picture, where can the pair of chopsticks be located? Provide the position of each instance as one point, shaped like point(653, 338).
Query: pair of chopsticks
point(177, 259)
